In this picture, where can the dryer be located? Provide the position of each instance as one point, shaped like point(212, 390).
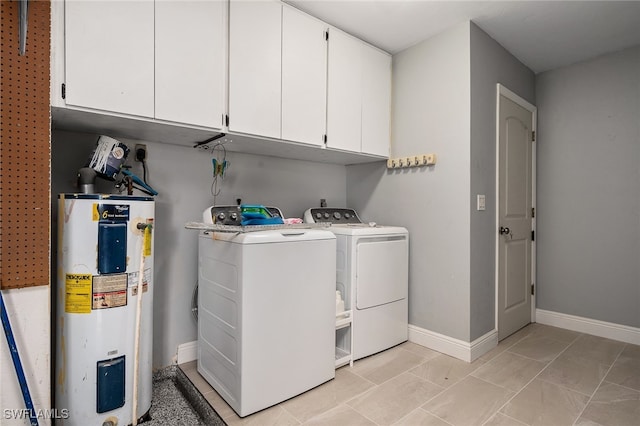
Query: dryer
point(372, 271)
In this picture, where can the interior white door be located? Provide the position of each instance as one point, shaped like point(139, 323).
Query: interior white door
point(190, 61)
point(304, 77)
point(255, 71)
point(109, 55)
point(514, 216)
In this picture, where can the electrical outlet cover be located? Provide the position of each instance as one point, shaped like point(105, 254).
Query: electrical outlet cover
point(140, 146)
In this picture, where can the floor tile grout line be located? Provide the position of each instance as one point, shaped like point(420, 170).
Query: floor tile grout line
point(442, 391)
point(507, 348)
point(362, 414)
point(432, 383)
point(588, 395)
point(407, 371)
point(352, 397)
point(506, 415)
point(434, 415)
point(281, 405)
point(599, 384)
point(622, 386)
point(548, 362)
point(536, 376)
point(501, 387)
point(579, 335)
point(513, 354)
point(398, 374)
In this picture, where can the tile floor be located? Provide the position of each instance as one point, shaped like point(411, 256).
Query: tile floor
point(539, 376)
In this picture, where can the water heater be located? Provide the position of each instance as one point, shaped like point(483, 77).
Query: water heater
point(101, 242)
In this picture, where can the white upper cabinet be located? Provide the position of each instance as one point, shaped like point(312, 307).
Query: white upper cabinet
point(359, 96)
point(304, 77)
point(344, 92)
point(257, 68)
point(255, 52)
point(190, 59)
point(109, 55)
point(376, 101)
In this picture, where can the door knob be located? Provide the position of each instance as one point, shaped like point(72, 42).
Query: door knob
point(504, 231)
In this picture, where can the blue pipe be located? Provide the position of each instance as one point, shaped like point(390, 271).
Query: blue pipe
point(16, 363)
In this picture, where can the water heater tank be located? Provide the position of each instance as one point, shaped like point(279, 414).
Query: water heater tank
point(99, 250)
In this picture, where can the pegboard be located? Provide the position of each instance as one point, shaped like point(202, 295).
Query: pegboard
point(25, 148)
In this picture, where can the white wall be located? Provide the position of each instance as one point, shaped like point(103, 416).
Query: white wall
point(28, 312)
point(183, 177)
point(588, 189)
point(490, 64)
point(430, 114)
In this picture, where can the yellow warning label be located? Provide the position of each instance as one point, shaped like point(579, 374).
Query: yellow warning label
point(147, 241)
point(95, 214)
point(77, 294)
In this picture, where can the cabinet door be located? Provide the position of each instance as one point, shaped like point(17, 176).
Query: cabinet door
point(190, 61)
point(304, 77)
point(109, 55)
point(255, 33)
point(344, 91)
point(376, 101)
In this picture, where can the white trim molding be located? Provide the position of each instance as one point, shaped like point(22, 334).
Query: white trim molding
point(187, 352)
point(465, 351)
point(609, 330)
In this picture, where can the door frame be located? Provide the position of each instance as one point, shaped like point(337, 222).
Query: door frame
point(501, 90)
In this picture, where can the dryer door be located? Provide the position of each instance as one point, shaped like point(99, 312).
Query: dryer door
point(382, 270)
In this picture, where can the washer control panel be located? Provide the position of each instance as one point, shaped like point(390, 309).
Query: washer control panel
point(330, 214)
point(230, 215)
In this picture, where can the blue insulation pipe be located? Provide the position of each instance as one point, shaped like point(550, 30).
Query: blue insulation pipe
point(16, 363)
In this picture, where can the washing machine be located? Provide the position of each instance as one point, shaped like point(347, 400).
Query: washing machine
point(372, 271)
point(266, 311)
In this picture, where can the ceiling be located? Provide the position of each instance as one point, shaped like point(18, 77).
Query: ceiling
point(542, 34)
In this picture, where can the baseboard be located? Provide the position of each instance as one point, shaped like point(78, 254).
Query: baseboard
point(465, 351)
point(484, 344)
point(605, 329)
point(187, 352)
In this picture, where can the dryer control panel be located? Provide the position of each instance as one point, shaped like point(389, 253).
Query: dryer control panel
point(330, 214)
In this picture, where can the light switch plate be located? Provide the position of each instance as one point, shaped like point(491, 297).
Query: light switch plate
point(481, 200)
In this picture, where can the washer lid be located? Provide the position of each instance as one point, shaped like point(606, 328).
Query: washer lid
point(272, 236)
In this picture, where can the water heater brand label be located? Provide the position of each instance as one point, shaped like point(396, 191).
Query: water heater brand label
point(109, 291)
point(113, 212)
point(77, 294)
